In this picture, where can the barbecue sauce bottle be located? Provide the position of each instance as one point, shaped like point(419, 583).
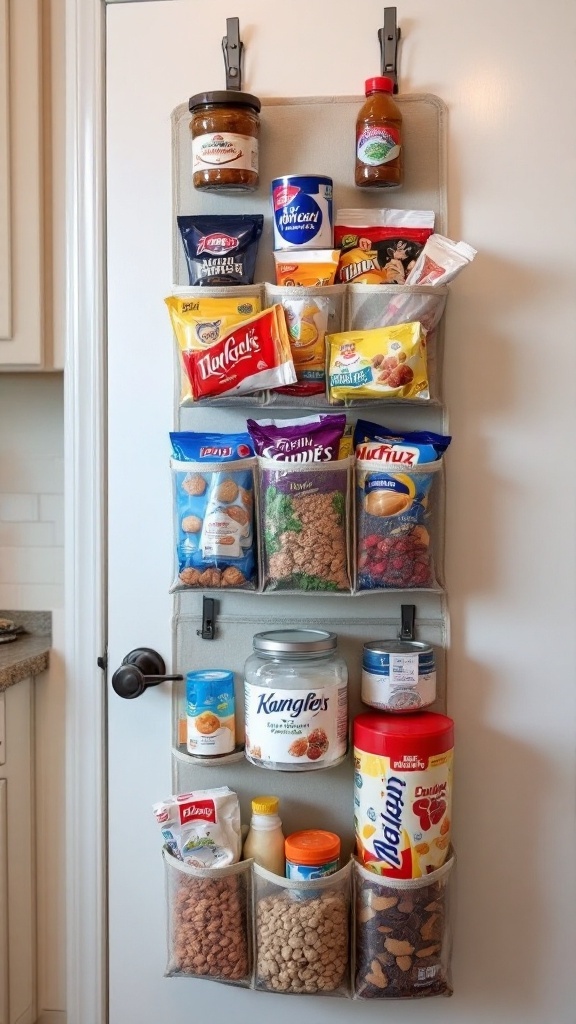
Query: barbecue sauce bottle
point(379, 138)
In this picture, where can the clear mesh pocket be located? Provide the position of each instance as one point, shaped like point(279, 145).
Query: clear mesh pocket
point(310, 313)
point(209, 921)
point(373, 306)
point(304, 516)
point(402, 935)
point(303, 933)
point(397, 518)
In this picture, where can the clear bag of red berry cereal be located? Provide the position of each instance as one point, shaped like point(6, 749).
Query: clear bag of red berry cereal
point(397, 481)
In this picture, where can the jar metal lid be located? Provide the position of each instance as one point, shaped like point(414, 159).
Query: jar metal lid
point(298, 641)
point(227, 97)
point(398, 647)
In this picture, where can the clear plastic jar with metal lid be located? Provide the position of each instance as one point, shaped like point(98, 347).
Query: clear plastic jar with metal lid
point(225, 128)
point(296, 701)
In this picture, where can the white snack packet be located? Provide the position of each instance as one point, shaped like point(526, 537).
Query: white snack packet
point(202, 828)
point(440, 261)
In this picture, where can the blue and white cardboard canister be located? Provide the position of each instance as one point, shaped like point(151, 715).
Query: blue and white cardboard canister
point(398, 675)
point(302, 210)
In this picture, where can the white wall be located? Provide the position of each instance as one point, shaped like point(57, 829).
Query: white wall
point(31, 572)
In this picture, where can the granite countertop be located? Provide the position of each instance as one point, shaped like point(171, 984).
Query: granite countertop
point(30, 653)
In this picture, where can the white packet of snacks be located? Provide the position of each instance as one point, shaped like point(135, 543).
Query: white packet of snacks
point(202, 828)
point(440, 261)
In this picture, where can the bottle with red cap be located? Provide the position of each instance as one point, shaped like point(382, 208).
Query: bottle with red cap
point(379, 138)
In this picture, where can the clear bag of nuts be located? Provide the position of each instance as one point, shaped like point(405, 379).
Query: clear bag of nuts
point(209, 921)
point(302, 933)
point(403, 940)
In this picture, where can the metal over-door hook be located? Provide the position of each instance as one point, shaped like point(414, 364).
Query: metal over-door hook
point(208, 631)
point(233, 49)
point(407, 620)
point(389, 37)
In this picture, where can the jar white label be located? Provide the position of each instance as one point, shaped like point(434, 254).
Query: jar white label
point(224, 149)
point(296, 728)
point(402, 689)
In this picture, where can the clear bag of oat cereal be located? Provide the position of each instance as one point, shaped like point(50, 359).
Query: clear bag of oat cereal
point(302, 933)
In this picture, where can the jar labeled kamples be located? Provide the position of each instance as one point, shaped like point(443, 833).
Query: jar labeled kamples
point(225, 127)
point(296, 711)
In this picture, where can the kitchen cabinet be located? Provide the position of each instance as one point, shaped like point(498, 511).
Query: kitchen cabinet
point(17, 890)
point(31, 184)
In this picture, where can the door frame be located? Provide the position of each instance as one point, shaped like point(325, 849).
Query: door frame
point(85, 515)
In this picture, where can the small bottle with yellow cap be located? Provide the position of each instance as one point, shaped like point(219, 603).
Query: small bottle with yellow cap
point(265, 839)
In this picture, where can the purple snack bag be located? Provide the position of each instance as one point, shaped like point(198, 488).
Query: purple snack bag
point(306, 439)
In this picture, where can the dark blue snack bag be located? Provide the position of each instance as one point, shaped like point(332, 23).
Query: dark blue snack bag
point(213, 478)
point(221, 250)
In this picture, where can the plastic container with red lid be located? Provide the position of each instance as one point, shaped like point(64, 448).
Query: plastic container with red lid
point(403, 791)
point(311, 853)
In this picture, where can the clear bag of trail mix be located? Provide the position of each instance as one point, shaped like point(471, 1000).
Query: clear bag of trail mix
point(302, 933)
point(213, 481)
point(209, 921)
point(403, 941)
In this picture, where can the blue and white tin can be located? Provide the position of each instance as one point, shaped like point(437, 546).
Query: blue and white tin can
point(302, 210)
point(398, 675)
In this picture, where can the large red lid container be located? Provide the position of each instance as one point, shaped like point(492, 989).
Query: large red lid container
point(395, 736)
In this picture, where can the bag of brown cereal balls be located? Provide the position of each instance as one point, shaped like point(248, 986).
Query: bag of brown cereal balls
point(213, 477)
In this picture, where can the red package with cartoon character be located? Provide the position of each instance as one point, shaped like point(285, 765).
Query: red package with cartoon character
point(252, 356)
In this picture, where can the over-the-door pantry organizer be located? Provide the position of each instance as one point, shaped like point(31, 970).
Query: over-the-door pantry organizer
point(304, 136)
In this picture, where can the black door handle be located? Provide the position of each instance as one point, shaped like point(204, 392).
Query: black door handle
point(140, 669)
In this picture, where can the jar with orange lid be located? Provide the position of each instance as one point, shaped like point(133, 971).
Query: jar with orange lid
point(311, 854)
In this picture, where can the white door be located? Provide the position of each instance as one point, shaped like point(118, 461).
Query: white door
point(512, 932)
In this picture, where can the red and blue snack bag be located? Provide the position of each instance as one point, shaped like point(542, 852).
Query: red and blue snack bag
point(213, 477)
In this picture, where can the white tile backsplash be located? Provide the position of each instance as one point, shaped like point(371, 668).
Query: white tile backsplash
point(31, 535)
point(31, 491)
point(17, 508)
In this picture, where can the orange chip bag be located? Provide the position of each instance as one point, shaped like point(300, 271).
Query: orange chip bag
point(306, 268)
